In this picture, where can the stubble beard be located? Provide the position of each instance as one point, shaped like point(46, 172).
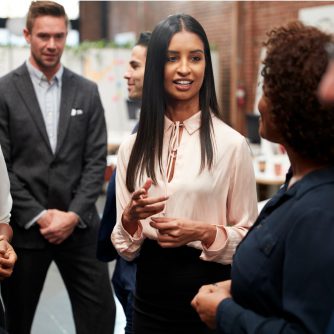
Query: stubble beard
point(46, 66)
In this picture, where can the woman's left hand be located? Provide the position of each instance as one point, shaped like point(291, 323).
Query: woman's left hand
point(207, 300)
point(175, 232)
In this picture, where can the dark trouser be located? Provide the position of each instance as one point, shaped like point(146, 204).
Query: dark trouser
point(124, 282)
point(86, 280)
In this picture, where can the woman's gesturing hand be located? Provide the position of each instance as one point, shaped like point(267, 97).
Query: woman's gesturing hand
point(141, 206)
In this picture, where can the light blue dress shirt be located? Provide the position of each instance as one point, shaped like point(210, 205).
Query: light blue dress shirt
point(48, 95)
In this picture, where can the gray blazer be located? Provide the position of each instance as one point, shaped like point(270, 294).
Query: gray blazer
point(69, 179)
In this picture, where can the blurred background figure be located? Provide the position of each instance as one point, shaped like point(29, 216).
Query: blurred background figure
point(124, 276)
point(285, 262)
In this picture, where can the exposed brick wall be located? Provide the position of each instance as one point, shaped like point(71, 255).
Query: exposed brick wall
point(255, 19)
point(259, 18)
point(90, 16)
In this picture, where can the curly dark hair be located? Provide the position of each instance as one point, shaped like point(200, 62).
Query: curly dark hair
point(295, 62)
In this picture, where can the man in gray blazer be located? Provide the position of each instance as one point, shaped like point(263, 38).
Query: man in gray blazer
point(53, 136)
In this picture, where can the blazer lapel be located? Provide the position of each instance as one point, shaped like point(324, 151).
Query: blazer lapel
point(66, 103)
point(27, 92)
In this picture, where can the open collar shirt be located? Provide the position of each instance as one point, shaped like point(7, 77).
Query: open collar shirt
point(48, 95)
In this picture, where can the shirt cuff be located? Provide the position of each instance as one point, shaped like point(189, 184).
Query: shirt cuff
point(34, 220)
point(220, 241)
point(81, 224)
point(216, 249)
point(137, 236)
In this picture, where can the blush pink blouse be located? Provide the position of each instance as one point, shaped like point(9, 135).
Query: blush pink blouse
point(224, 196)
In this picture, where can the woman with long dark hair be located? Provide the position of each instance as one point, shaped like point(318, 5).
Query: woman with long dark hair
point(186, 191)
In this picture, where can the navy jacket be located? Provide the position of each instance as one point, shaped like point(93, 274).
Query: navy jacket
point(105, 249)
point(283, 271)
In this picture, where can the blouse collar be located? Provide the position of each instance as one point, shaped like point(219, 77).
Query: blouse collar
point(191, 124)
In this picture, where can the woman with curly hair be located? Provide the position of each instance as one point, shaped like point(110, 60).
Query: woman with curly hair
point(283, 271)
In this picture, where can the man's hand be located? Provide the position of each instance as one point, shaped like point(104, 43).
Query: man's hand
point(60, 227)
point(7, 258)
point(45, 219)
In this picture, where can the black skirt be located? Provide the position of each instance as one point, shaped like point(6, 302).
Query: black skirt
point(167, 281)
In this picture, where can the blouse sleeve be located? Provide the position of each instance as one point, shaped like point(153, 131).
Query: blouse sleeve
point(5, 197)
point(126, 245)
point(241, 207)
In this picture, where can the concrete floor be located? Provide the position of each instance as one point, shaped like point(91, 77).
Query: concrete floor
point(54, 314)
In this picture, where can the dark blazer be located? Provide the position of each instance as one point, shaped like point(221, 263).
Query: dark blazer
point(69, 179)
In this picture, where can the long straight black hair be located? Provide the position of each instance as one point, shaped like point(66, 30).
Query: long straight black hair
point(147, 149)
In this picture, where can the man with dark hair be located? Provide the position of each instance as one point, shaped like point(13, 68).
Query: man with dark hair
point(125, 272)
point(53, 136)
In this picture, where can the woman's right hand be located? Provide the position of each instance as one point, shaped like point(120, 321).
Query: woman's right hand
point(141, 207)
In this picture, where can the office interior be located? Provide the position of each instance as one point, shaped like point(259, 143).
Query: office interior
point(103, 33)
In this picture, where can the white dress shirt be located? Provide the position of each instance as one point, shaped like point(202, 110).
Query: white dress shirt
point(5, 197)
